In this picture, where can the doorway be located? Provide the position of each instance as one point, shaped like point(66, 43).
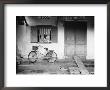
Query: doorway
point(75, 38)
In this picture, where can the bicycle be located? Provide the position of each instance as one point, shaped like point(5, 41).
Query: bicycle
point(40, 53)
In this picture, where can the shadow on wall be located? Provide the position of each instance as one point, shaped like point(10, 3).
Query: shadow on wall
point(18, 53)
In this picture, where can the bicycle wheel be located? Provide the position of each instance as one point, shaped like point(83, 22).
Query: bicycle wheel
point(32, 56)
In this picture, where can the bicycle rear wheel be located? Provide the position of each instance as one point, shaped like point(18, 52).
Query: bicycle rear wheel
point(32, 57)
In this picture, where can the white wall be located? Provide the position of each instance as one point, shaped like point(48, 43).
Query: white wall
point(90, 39)
point(90, 44)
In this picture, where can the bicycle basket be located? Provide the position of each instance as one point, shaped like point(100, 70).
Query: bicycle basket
point(35, 48)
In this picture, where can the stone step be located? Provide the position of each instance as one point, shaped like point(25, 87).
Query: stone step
point(81, 66)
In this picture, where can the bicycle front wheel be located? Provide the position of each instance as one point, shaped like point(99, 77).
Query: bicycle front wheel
point(52, 55)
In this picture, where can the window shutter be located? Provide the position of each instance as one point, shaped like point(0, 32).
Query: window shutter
point(34, 36)
point(54, 35)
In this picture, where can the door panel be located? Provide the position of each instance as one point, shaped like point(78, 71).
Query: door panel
point(81, 38)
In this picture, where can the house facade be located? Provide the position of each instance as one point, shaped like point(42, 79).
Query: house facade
point(66, 35)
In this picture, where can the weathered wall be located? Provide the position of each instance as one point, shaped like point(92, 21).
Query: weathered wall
point(23, 40)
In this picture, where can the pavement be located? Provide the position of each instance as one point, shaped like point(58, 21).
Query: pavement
point(59, 67)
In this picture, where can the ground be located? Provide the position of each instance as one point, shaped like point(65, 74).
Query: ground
point(59, 67)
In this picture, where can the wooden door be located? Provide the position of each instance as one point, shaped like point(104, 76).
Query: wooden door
point(75, 38)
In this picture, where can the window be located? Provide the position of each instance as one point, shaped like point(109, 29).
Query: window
point(44, 34)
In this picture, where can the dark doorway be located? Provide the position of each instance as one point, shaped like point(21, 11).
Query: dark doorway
point(75, 38)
